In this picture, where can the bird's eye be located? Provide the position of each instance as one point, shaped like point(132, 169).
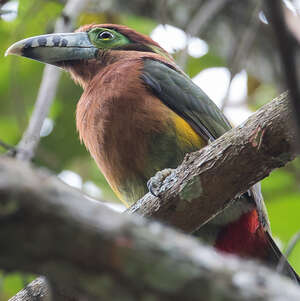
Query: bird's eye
point(105, 35)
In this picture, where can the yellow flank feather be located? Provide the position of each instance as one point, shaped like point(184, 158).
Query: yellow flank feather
point(186, 135)
point(119, 195)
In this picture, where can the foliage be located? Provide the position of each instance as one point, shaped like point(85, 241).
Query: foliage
point(61, 149)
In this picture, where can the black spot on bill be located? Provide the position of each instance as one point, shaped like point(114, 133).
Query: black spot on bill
point(56, 40)
point(28, 44)
point(42, 41)
point(64, 43)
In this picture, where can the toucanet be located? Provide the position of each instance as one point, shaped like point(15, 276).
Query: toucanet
point(140, 113)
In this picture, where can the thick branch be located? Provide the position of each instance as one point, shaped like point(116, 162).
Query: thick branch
point(89, 251)
point(209, 179)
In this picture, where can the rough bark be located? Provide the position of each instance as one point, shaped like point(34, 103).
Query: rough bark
point(37, 290)
point(89, 252)
point(209, 179)
point(51, 229)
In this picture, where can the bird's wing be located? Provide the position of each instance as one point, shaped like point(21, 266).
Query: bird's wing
point(185, 98)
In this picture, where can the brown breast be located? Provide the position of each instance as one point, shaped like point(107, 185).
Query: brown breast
point(116, 115)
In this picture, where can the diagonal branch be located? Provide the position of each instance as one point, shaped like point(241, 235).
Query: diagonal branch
point(209, 179)
point(114, 256)
point(89, 252)
point(37, 290)
point(51, 75)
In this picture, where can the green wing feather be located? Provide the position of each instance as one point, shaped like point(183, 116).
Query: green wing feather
point(185, 98)
point(181, 95)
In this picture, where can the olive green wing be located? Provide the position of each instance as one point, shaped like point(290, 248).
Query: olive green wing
point(185, 98)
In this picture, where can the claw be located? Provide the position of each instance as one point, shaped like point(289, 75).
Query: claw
point(155, 183)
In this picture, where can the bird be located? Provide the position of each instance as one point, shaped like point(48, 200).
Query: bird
point(140, 114)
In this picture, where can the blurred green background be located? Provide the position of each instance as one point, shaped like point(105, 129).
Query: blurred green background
point(60, 149)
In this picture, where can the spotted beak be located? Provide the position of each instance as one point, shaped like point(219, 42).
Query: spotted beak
point(55, 48)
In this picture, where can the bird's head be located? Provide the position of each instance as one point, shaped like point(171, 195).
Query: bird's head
point(88, 49)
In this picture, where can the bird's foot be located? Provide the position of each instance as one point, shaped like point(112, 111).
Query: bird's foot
point(156, 182)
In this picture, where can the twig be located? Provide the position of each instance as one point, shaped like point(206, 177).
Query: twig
point(242, 48)
point(6, 11)
point(287, 46)
point(194, 28)
point(27, 146)
point(162, 6)
point(7, 146)
point(30, 140)
point(291, 245)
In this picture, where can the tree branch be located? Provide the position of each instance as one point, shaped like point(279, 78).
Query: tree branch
point(31, 138)
point(209, 179)
point(288, 47)
point(37, 290)
point(203, 16)
point(89, 252)
point(7, 147)
point(290, 246)
point(242, 49)
point(115, 255)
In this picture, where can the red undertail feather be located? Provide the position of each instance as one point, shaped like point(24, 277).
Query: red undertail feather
point(245, 237)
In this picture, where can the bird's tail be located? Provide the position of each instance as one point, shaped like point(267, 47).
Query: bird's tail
point(248, 238)
point(275, 257)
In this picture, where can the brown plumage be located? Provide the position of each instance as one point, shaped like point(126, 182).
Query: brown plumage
point(117, 154)
point(139, 113)
point(123, 125)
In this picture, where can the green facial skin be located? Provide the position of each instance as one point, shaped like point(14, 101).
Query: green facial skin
point(104, 38)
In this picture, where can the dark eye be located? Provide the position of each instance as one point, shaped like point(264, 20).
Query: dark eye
point(105, 35)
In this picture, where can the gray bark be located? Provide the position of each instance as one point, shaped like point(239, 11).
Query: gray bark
point(209, 179)
point(37, 290)
point(89, 252)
